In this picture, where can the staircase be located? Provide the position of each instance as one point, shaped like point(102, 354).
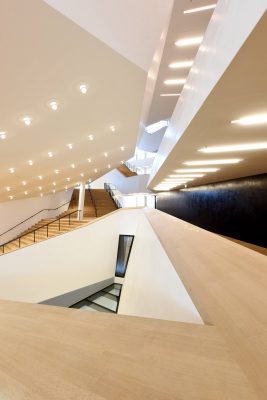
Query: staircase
point(106, 300)
point(103, 202)
point(126, 171)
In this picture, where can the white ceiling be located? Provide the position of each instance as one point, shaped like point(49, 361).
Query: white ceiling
point(240, 91)
point(44, 56)
point(130, 27)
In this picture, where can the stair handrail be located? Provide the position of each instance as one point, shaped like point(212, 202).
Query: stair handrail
point(93, 200)
point(108, 188)
point(27, 219)
point(40, 227)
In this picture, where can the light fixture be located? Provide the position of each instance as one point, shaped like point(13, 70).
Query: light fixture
point(89, 160)
point(234, 147)
point(190, 175)
point(105, 154)
point(40, 187)
point(197, 170)
point(109, 166)
point(66, 188)
point(156, 126)
point(54, 183)
point(72, 165)
point(170, 94)
point(24, 183)
point(27, 120)
point(82, 174)
point(40, 177)
point(198, 9)
point(175, 81)
point(26, 192)
point(95, 170)
point(122, 148)
point(91, 137)
point(30, 162)
point(53, 191)
point(68, 179)
point(70, 146)
point(83, 88)
point(112, 128)
point(8, 189)
point(12, 170)
point(50, 154)
point(174, 178)
point(191, 41)
point(11, 197)
point(53, 104)
point(2, 135)
point(122, 162)
point(213, 162)
point(256, 119)
point(56, 171)
point(181, 64)
point(41, 194)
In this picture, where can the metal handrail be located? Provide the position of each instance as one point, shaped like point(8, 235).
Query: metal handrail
point(93, 200)
point(108, 189)
point(40, 227)
point(45, 209)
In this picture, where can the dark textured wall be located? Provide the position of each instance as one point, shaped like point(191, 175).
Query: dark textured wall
point(235, 208)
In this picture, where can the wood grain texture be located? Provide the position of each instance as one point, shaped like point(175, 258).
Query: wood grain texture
point(228, 284)
point(56, 353)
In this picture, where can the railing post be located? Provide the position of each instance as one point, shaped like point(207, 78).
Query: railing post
point(33, 236)
point(3, 248)
point(19, 242)
point(59, 224)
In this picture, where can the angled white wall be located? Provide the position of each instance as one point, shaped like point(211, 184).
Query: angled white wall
point(15, 211)
point(133, 184)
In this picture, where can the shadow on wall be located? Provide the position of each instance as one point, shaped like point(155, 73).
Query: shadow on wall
point(235, 208)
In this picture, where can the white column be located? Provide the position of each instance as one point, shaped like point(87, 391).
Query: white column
point(81, 200)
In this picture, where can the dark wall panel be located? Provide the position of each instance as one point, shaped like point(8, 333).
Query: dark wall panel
point(235, 208)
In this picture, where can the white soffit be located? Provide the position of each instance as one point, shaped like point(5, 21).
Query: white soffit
point(130, 27)
point(228, 81)
point(46, 56)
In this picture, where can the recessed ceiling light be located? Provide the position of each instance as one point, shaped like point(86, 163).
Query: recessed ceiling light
point(27, 120)
point(90, 180)
point(54, 183)
point(181, 64)
point(83, 88)
point(68, 179)
point(12, 170)
point(40, 187)
point(156, 126)
point(198, 9)
point(40, 177)
point(41, 194)
point(72, 165)
point(24, 183)
point(189, 41)
point(53, 104)
point(70, 146)
point(95, 170)
point(56, 171)
point(8, 189)
point(109, 166)
point(174, 178)
point(122, 162)
point(50, 154)
point(2, 135)
point(105, 154)
point(197, 170)
point(11, 197)
point(190, 175)
point(89, 160)
point(174, 81)
point(122, 148)
point(53, 191)
point(26, 192)
point(82, 174)
point(30, 162)
point(91, 137)
point(66, 188)
point(170, 94)
point(112, 128)
point(214, 162)
point(256, 119)
point(234, 147)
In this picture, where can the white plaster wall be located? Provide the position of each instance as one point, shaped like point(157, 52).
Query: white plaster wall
point(15, 211)
point(151, 286)
point(134, 184)
point(67, 262)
